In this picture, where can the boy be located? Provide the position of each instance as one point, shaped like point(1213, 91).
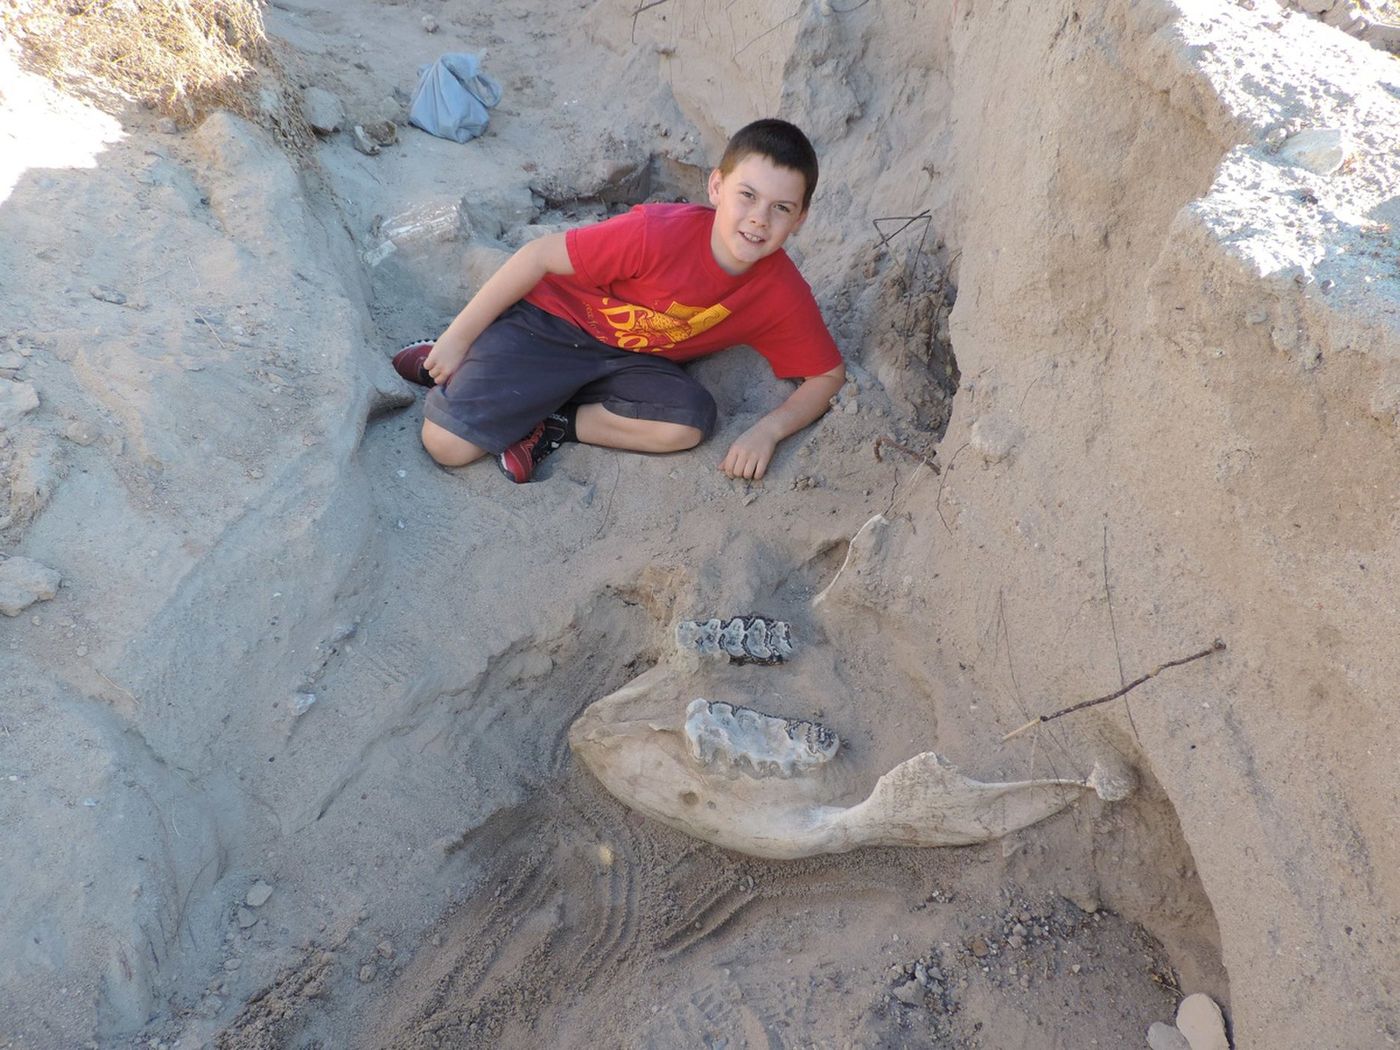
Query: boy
point(597, 319)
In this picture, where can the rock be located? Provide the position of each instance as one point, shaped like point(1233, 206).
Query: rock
point(107, 295)
point(385, 949)
point(302, 703)
point(430, 24)
point(259, 894)
point(17, 400)
point(367, 973)
point(323, 111)
point(81, 432)
point(246, 919)
point(1166, 1037)
point(167, 126)
point(232, 964)
point(23, 582)
point(1201, 1022)
point(1319, 150)
point(382, 132)
point(979, 947)
point(909, 993)
point(362, 142)
point(995, 438)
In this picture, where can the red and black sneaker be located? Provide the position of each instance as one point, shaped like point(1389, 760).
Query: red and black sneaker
point(518, 462)
point(408, 362)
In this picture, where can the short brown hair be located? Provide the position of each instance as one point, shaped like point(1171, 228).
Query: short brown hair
point(778, 141)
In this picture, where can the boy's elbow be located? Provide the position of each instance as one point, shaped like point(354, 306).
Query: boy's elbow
point(550, 253)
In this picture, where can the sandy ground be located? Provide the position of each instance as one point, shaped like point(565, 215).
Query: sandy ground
point(284, 759)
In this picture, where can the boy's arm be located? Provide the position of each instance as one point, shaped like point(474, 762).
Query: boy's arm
point(508, 285)
point(750, 455)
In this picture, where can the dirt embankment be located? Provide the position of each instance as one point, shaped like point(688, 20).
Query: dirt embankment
point(1070, 250)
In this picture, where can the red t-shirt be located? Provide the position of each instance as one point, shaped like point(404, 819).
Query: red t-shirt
point(648, 281)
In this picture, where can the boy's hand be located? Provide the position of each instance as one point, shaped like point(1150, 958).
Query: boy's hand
point(444, 359)
point(750, 455)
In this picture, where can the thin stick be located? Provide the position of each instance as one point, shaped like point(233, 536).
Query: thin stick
point(1113, 626)
point(114, 685)
point(205, 321)
point(938, 502)
point(1215, 647)
point(889, 442)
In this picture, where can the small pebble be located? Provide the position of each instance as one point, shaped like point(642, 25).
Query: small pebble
point(367, 973)
point(430, 24)
point(1075, 968)
point(80, 433)
point(246, 919)
point(107, 295)
point(258, 894)
point(385, 949)
point(232, 964)
point(167, 126)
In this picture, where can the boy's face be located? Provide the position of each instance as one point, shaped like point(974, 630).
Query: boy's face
point(758, 206)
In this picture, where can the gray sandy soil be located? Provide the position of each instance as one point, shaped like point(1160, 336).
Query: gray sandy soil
point(291, 654)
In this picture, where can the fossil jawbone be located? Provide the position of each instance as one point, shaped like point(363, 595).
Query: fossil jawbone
point(648, 763)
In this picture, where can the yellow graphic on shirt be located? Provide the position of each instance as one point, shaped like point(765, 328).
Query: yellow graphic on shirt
point(638, 328)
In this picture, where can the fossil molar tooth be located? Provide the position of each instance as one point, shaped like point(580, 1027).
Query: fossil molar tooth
point(744, 639)
point(732, 738)
point(638, 742)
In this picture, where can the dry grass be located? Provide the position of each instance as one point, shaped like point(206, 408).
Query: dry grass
point(183, 57)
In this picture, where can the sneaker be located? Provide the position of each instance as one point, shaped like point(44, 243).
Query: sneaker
point(518, 462)
point(408, 362)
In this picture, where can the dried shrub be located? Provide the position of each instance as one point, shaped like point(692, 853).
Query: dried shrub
point(183, 57)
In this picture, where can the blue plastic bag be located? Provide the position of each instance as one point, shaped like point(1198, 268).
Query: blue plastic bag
point(452, 98)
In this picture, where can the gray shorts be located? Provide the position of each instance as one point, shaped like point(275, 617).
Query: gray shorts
point(529, 363)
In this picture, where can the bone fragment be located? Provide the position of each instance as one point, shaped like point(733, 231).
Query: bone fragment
point(639, 743)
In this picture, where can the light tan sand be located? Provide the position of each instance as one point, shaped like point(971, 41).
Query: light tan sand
point(290, 654)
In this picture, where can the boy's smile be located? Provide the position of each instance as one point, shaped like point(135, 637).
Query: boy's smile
point(758, 206)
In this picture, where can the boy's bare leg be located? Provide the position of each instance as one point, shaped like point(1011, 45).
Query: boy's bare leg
point(595, 425)
point(447, 448)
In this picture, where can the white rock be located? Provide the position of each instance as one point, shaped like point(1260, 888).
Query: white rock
point(1201, 1022)
point(1166, 1037)
point(258, 895)
point(1319, 150)
point(16, 401)
point(995, 438)
point(23, 582)
point(80, 432)
point(323, 111)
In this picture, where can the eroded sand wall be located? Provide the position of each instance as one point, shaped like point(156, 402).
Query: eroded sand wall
point(1175, 422)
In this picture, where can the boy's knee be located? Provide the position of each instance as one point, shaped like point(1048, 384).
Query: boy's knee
point(446, 448)
point(677, 437)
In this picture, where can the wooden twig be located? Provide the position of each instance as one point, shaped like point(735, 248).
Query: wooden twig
point(1215, 647)
point(1113, 627)
point(889, 442)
